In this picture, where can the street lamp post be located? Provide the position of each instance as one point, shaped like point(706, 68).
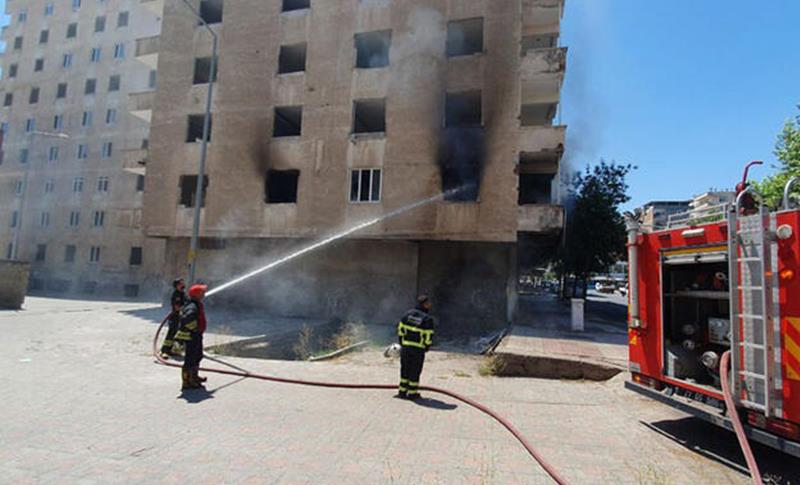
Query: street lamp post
point(18, 228)
point(201, 172)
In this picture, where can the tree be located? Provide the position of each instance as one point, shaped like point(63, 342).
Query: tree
point(787, 150)
point(595, 236)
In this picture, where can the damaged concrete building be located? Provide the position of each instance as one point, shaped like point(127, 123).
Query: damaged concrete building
point(67, 203)
point(327, 113)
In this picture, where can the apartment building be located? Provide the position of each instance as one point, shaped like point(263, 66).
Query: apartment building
point(327, 113)
point(67, 203)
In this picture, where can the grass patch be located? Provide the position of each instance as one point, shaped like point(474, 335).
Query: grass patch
point(492, 365)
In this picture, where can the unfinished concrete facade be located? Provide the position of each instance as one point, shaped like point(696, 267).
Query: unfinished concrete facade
point(67, 204)
point(329, 113)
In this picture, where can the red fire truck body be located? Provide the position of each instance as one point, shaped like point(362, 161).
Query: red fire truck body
point(698, 289)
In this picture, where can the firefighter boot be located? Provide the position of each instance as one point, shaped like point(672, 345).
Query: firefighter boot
point(188, 380)
point(197, 378)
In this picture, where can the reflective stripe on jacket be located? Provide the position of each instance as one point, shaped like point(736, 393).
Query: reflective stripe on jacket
point(416, 330)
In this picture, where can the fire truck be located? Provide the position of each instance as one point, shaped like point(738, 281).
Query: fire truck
point(724, 279)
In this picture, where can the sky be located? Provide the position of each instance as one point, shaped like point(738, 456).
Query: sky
point(687, 90)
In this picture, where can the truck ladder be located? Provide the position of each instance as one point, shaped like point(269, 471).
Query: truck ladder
point(754, 311)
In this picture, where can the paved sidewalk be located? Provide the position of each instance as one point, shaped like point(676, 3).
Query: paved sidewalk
point(84, 403)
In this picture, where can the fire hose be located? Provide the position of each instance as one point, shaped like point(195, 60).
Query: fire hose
point(239, 372)
point(734, 416)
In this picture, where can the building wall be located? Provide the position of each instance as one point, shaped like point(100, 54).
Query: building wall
point(122, 203)
point(461, 252)
point(414, 84)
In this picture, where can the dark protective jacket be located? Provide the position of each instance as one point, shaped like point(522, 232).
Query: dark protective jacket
point(192, 320)
point(416, 329)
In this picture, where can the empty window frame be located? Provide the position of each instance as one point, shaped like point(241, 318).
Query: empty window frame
point(94, 254)
point(77, 184)
point(34, 96)
point(61, 91)
point(44, 219)
point(111, 116)
point(365, 185)
point(535, 188)
point(41, 252)
point(194, 129)
point(74, 219)
point(22, 16)
point(99, 218)
point(44, 36)
point(30, 125)
point(211, 11)
point(136, 256)
point(38, 65)
point(114, 83)
point(108, 150)
point(123, 18)
point(17, 43)
point(463, 109)
point(86, 119)
point(49, 186)
point(23, 156)
point(202, 71)
point(292, 58)
point(292, 5)
point(288, 121)
point(14, 219)
point(52, 156)
point(537, 114)
point(369, 116)
point(281, 186)
point(102, 184)
point(66, 62)
point(119, 51)
point(100, 24)
point(188, 186)
point(539, 41)
point(372, 49)
point(72, 31)
point(464, 37)
point(12, 70)
point(48, 10)
point(83, 152)
point(90, 87)
point(9, 99)
point(95, 54)
point(69, 253)
point(140, 183)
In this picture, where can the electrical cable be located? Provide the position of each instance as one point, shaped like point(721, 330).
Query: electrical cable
point(237, 371)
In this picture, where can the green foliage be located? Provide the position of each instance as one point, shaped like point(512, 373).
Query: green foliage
point(595, 226)
point(787, 150)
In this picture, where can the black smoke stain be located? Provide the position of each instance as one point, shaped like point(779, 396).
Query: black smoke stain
point(462, 152)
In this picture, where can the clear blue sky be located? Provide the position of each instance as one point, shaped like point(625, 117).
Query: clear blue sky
point(688, 90)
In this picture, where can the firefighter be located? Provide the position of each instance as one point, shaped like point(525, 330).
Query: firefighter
point(192, 327)
point(415, 333)
point(177, 300)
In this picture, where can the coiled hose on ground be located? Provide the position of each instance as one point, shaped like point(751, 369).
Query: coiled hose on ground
point(237, 371)
point(734, 416)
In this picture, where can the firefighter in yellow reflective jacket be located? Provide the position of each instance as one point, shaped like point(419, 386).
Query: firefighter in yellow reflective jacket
point(415, 333)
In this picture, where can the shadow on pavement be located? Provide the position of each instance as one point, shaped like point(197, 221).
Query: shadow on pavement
point(195, 396)
point(428, 402)
point(721, 445)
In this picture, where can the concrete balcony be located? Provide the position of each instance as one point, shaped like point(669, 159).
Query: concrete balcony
point(134, 160)
point(538, 62)
point(141, 104)
point(540, 219)
point(147, 50)
point(541, 16)
point(542, 138)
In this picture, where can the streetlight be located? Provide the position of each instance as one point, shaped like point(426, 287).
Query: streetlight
point(201, 175)
point(28, 163)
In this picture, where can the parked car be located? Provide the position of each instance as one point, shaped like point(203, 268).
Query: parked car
point(605, 286)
